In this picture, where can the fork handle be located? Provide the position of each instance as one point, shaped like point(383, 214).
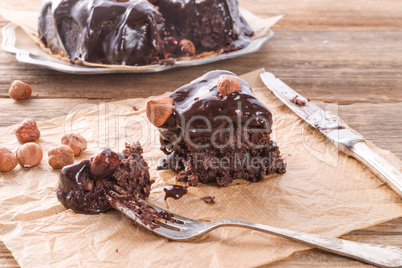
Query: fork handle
point(384, 256)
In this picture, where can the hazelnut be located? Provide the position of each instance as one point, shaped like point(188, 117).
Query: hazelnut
point(104, 163)
point(60, 156)
point(159, 110)
point(19, 90)
point(186, 48)
point(30, 154)
point(8, 161)
point(77, 142)
point(27, 131)
point(227, 84)
point(171, 44)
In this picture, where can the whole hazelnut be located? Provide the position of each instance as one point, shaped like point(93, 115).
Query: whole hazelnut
point(60, 156)
point(104, 163)
point(29, 155)
point(19, 90)
point(227, 84)
point(27, 131)
point(8, 161)
point(77, 142)
point(171, 44)
point(186, 48)
point(159, 110)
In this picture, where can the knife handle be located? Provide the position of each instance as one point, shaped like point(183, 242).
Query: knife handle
point(378, 165)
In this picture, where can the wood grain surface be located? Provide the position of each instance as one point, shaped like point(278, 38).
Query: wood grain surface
point(345, 52)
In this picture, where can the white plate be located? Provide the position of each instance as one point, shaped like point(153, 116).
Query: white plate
point(17, 41)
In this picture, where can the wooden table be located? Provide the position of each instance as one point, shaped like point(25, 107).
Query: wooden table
point(349, 52)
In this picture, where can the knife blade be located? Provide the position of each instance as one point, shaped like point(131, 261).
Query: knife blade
point(345, 140)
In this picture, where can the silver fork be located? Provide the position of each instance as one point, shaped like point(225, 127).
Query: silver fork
point(179, 228)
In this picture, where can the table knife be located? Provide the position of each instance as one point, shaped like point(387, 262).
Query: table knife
point(351, 144)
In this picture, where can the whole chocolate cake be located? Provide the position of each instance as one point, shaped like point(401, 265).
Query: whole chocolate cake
point(214, 129)
point(140, 32)
point(84, 186)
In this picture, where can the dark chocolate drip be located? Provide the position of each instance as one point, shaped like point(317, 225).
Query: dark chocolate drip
point(174, 191)
point(199, 112)
point(102, 31)
point(72, 175)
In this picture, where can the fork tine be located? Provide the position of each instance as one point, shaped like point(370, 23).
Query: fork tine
point(120, 190)
point(115, 195)
point(130, 213)
point(158, 209)
point(175, 216)
point(143, 212)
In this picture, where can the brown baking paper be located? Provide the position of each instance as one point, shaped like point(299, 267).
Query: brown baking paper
point(322, 192)
point(28, 20)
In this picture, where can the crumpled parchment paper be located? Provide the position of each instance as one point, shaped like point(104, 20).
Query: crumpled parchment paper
point(322, 192)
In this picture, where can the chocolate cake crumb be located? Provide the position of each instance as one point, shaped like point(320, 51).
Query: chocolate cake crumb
point(298, 101)
point(209, 199)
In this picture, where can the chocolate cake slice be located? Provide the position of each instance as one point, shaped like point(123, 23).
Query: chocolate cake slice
point(214, 129)
point(83, 186)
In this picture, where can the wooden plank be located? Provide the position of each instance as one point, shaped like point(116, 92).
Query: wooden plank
point(346, 66)
point(370, 14)
point(6, 259)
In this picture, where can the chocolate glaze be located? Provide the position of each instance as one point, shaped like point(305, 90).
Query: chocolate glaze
point(102, 31)
point(201, 99)
point(174, 191)
point(78, 191)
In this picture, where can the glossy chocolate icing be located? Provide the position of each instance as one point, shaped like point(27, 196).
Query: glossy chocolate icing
point(78, 191)
point(102, 31)
point(199, 111)
point(174, 191)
